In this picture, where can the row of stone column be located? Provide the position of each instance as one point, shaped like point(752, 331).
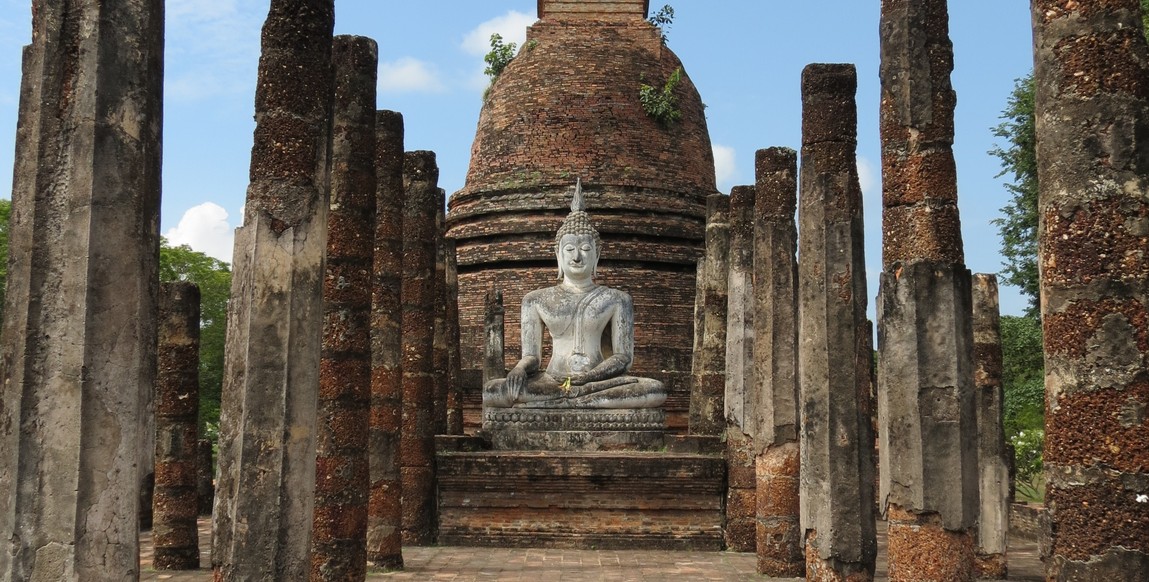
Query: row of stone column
point(340, 270)
point(811, 338)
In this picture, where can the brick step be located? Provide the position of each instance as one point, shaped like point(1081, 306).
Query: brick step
point(606, 500)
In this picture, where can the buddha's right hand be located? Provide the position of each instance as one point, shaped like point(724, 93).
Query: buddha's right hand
point(513, 385)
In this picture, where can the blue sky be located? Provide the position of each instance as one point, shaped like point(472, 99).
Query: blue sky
point(745, 57)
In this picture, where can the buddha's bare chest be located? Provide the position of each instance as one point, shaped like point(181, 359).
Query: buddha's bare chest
point(569, 315)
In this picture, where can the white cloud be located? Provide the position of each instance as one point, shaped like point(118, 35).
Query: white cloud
point(867, 176)
point(407, 75)
point(512, 26)
point(204, 228)
point(724, 167)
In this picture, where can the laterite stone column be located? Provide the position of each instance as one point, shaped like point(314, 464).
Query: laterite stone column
point(263, 511)
point(740, 400)
point(708, 381)
point(417, 439)
point(77, 357)
point(775, 360)
point(176, 503)
point(926, 403)
point(994, 485)
point(339, 534)
point(1091, 81)
point(454, 359)
point(495, 363)
point(440, 350)
point(837, 500)
point(384, 544)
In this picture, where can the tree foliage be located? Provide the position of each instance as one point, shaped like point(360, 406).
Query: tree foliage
point(213, 277)
point(1023, 382)
point(1023, 373)
point(1018, 224)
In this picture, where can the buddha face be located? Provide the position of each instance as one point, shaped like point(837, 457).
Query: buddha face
point(577, 256)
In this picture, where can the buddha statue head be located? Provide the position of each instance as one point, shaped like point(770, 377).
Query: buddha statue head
point(577, 243)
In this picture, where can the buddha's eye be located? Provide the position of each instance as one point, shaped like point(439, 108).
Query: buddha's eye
point(586, 248)
point(569, 248)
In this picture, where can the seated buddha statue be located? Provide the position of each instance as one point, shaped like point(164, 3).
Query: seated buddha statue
point(576, 312)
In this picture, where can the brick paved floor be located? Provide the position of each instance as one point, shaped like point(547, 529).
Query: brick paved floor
point(459, 564)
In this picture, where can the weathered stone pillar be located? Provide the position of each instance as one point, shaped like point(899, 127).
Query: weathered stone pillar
point(708, 382)
point(263, 511)
point(926, 409)
point(176, 503)
point(454, 359)
point(494, 362)
point(994, 484)
point(417, 440)
point(205, 476)
point(836, 449)
point(699, 323)
point(384, 547)
point(740, 398)
point(774, 417)
point(79, 333)
point(440, 352)
point(1091, 82)
point(339, 531)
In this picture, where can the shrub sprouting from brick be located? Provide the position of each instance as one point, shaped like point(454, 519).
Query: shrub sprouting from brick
point(660, 103)
point(663, 19)
point(500, 56)
point(497, 59)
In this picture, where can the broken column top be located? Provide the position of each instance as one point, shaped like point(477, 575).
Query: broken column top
point(771, 166)
point(829, 110)
point(594, 9)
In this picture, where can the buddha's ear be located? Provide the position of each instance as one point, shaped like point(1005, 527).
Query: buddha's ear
point(559, 261)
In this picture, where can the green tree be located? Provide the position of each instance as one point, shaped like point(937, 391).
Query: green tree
point(1018, 224)
point(213, 276)
point(1023, 373)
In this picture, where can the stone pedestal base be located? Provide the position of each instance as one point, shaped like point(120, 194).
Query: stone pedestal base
point(549, 429)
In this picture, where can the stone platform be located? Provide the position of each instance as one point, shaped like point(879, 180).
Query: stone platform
point(559, 429)
point(581, 499)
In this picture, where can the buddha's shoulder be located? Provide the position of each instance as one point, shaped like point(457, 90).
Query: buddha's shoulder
point(612, 294)
point(544, 294)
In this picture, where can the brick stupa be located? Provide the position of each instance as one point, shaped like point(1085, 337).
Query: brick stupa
point(568, 106)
